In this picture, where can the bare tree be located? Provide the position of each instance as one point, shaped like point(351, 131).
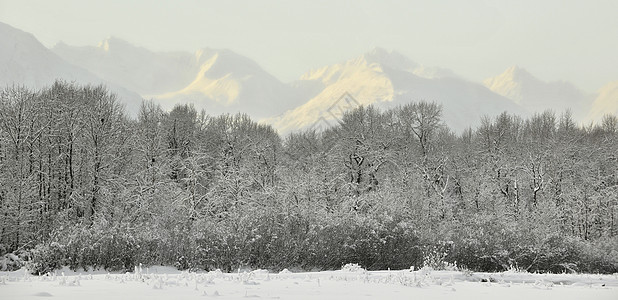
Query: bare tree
point(423, 120)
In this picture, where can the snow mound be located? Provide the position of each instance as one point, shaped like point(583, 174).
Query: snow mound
point(354, 268)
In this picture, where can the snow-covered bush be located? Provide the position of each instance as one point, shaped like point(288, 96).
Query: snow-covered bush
point(10, 262)
point(435, 257)
point(355, 268)
point(598, 257)
point(46, 258)
point(98, 246)
point(376, 242)
point(182, 263)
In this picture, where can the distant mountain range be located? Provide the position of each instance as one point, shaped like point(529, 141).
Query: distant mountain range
point(535, 95)
point(215, 80)
point(387, 79)
point(25, 61)
point(221, 81)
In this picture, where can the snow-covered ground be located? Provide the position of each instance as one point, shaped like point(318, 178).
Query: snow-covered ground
point(168, 283)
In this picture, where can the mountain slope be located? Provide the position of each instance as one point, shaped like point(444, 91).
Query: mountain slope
point(386, 79)
point(24, 60)
point(535, 95)
point(219, 81)
point(136, 68)
point(228, 82)
point(28, 62)
point(605, 103)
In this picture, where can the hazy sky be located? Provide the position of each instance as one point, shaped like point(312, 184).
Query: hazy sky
point(553, 39)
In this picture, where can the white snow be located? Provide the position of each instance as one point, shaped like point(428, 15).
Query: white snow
point(349, 283)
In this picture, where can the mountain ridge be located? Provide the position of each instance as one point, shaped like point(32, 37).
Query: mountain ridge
point(27, 62)
point(222, 81)
point(218, 80)
point(373, 79)
point(523, 88)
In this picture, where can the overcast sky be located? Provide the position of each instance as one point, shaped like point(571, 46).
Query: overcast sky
point(568, 40)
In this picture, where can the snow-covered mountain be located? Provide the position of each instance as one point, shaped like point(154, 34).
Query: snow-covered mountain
point(386, 79)
point(136, 68)
point(218, 81)
point(228, 82)
point(535, 95)
point(221, 81)
point(25, 61)
point(605, 103)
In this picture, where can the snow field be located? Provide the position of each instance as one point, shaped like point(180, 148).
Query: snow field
point(168, 283)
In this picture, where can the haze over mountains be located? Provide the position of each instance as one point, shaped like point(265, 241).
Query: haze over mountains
point(386, 79)
point(524, 89)
point(25, 61)
point(216, 80)
point(220, 81)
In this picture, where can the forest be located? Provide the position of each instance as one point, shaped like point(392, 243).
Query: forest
point(82, 184)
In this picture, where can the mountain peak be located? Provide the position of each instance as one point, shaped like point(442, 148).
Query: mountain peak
point(510, 79)
point(390, 59)
point(379, 51)
point(536, 95)
point(226, 61)
point(112, 43)
point(206, 53)
point(60, 44)
point(516, 73)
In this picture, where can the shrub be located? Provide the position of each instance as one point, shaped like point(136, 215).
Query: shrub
point(10, 262)
point(46, 258)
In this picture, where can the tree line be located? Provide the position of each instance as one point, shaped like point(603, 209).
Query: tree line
point(84, 185)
